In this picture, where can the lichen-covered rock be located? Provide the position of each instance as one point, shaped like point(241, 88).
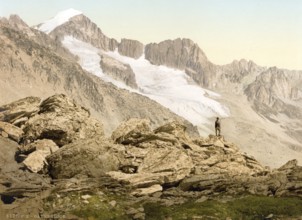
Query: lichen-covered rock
point(89, 157)
point(63, 121)
point(12, 131)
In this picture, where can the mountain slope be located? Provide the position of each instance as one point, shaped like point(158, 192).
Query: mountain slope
point(29, 68)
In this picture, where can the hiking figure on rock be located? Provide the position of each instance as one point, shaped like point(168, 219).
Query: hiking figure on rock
point(217, 127)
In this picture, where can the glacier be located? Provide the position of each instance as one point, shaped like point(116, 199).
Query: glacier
point(171, 88)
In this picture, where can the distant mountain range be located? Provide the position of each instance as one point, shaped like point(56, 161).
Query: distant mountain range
point(260, 107)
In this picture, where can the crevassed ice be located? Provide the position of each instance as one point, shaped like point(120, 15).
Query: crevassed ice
point(169, 87)
point(59, 19)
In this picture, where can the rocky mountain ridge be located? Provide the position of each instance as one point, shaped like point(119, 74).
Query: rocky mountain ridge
point(62, 150)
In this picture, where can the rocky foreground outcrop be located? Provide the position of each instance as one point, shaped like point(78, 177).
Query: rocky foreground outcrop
point(60, 142)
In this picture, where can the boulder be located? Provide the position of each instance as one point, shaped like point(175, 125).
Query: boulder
point(131, 129)
point(89, 157)
point(35, 161)
point(37, 152)
point(157, 157)
point(20, 111)
point(63, 121)
point(172, 162)
point(11, 131)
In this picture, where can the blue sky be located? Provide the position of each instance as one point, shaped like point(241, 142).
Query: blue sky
point(265, 31)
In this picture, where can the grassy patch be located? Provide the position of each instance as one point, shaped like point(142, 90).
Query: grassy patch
point(99, 209)
point(250, 207)
point(96, 207)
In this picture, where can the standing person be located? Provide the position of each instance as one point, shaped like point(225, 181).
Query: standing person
point(217, 127)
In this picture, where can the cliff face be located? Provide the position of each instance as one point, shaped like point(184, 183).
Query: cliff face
point(118, 71)
point(274, 84)
point(81, 28)
point(131, 48)
point(182, 54)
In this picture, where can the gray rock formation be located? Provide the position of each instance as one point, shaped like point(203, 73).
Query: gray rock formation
point(91, 158)
point(271, 85)
point(182, 54)
point(280, 182)
point(62, 121)
point(118, 71)
point(131, 48)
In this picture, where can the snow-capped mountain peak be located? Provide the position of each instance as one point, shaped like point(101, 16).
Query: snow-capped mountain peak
point(58, 20)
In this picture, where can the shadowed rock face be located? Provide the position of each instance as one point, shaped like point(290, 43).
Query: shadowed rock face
point(118, 71)
point(14, 181)
point(131, 48)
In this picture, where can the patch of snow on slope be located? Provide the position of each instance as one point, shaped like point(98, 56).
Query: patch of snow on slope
point(89, 59)
point(58, 20)
point(171, 88)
